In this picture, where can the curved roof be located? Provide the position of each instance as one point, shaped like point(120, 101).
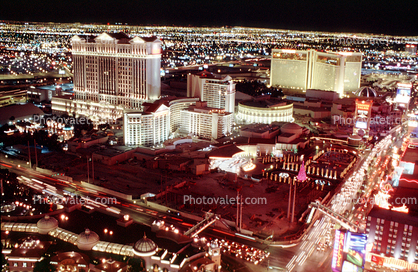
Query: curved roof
point(87, 239)
point(47, 224)
point(264, 103)
point(366, 92)
point(79, 258)
point(19, 111)
point(145, 247)
point(355, 137)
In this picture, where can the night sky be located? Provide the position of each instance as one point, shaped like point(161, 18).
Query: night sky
point(379, 17)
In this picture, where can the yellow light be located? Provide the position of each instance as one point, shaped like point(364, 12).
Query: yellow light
point(290, 51)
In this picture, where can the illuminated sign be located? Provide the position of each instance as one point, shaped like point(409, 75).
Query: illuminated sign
point(355, 246)
point(337, 258)
point(403, 94)
point(340, 250)
point(349, 267)
point(360, 124)
point(377, 260)
point(289, 51)
point(365, 107)
point(362, 116)
point(349, 251)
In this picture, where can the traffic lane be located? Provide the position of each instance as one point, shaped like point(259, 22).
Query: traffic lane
point(142, 216)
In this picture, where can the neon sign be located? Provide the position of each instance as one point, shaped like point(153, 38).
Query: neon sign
point(340, 250)
point(337, 258)
point(361, 106)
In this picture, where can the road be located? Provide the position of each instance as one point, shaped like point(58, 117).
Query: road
point(301, 257)
point(142, 214)
point(307, 258)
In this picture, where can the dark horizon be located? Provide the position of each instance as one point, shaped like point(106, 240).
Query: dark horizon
point(383, 17)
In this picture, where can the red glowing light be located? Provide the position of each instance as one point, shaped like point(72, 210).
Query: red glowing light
point(409, 180)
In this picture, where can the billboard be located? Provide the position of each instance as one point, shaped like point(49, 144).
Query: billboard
point(362, 117)
point(361, 124)
point(403, 94)
point(337, 255)
point(349, 251)
point(349, 267)
point(377, 260)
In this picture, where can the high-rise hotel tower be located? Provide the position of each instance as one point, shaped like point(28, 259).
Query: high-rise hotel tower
point(112, 72)
point(301, 70)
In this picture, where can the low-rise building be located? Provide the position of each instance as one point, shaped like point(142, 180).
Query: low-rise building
point(85, 142)
point(260, 131)
point(24, 257)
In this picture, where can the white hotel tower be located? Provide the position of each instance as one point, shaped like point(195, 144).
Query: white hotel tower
point(112, 72)
point(219, 93)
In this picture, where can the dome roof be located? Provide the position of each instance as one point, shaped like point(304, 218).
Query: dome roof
point(366, 92)
point(355, 137)
point(145, 247)
point(47, 224)
point(291, 128)
point(87, 239)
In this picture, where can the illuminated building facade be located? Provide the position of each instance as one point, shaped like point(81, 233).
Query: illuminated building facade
point(205, 122)
point(218, 93)
point(393, 239)
point(160, 119)
point(264, 110)
point(349, 251)
point(411, 48)
point(26, 255)
point(149, 127)
point(289, 68)
point(302, 70)
point(176, 106)
point(112, 72)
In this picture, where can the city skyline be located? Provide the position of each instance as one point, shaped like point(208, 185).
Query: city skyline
point(212, 149)
point(357, 17)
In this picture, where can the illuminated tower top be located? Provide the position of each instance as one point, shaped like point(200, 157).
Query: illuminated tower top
point(115, 69)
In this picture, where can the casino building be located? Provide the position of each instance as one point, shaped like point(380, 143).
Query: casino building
point(392, 239)
point(264, 110)
point(302, 70)
point(217, 92)
point(112, 72)
point(163, 118)
point(24, 257)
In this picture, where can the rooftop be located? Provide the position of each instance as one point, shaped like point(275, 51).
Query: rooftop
point(411, 155)
point(402, 218)
point(18, 111)
point(225, 152)
point(113, 151)
point(260, 128)
point(270, 103)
